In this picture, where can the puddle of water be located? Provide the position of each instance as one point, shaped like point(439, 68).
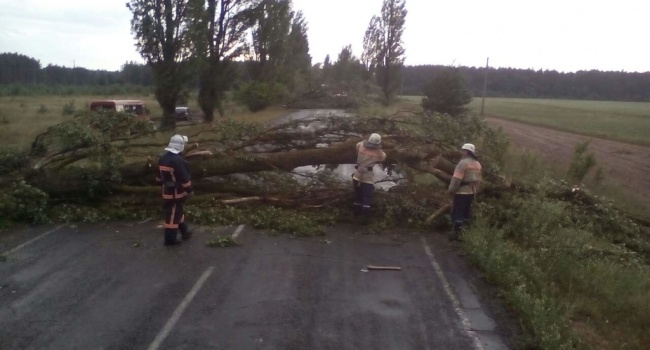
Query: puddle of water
point(343, 172)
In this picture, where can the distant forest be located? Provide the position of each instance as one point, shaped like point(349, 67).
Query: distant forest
point(20, 73)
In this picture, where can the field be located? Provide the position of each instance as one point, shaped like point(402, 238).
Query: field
point(618, 133)
point(22, 118)
point(621, 121)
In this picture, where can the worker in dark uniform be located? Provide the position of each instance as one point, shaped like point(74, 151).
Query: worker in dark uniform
point(369, 153)
point(463, 187)
point(174, 176)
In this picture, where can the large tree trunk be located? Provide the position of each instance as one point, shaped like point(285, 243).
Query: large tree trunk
point(425, 158)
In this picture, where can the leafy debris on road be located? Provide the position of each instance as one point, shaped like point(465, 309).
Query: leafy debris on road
point(222, 242)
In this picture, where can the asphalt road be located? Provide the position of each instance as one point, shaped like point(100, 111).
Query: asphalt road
point(115, 286)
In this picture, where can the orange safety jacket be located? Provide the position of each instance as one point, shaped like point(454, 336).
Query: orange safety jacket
point(174, 176)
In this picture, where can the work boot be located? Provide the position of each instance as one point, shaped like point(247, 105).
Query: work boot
point(456, 233)
point(185, 231)
point(170, 236)
point(365, 217)
point(186, 235)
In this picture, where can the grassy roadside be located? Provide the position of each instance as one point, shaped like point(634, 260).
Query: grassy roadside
point(578, 279)
point(576, 273)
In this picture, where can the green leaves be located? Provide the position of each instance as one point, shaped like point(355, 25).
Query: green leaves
point(581, 163)
point(222, 242)
point(258, 95)
point(383, 50)
point(446, 93)
point(24, 203)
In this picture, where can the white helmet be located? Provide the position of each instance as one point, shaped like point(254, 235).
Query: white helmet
point(176, 144)
point(374, 141)
point(469, 147)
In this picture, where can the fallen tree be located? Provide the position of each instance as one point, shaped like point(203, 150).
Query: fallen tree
point(97, 157)
point(90, 152)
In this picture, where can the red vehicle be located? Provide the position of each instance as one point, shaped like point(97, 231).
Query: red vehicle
point(135, 107)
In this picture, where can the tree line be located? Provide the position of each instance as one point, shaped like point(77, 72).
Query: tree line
point(258, 49)
point(20, 69)
point(17, 69)
point(529, 83)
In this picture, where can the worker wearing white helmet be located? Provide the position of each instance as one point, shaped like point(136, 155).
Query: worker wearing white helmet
point(174, 176)
point(463, 187)
point(369, 153)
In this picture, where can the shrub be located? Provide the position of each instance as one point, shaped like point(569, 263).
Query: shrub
point(581, 162)
point(447, 93)
point(24, 203)
point(259, 95)
point(69, 108)
point(12, 159)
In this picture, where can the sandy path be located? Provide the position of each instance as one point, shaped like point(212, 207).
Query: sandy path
point(623, 163)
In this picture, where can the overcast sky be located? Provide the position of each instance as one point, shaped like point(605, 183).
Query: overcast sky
point(563, 35)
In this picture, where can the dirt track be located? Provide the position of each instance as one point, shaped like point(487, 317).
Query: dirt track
point(625, 164)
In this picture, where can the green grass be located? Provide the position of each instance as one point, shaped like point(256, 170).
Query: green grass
point(621, 121)
point(576, 279)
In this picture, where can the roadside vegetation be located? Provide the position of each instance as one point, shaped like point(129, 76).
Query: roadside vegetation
point(574, 267)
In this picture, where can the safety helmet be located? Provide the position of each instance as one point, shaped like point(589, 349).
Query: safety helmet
point(176, 144)
point(469, 147)
point(374, 141)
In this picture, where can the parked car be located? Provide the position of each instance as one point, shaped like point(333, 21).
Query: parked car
point(135, 107)
point(183, 113)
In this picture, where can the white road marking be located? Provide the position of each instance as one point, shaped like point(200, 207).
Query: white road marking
point(454, 300)
point(31, 241)
point(164, 332)
point(237, 231)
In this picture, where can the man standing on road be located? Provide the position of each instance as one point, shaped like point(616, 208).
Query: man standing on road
point(369, 153)
point(463, 187)
point(174, 176)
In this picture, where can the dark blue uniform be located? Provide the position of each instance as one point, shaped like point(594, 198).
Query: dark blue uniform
point(174, 176)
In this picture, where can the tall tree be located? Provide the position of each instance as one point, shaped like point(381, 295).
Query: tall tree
point(347, 68)
point(383, 50)
point(297, 63)
point(219, 35)
point(371, 46)
point(161, 31)
point(272, 26)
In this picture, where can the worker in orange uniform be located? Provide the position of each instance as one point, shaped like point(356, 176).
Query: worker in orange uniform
point(369, 153)
point(174, 177)
point(463, 187)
